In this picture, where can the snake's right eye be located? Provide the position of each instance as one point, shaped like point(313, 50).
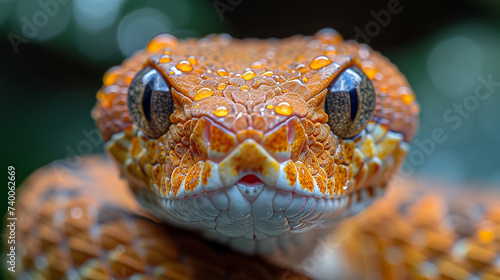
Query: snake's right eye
point(150, 102)
point(350, 102)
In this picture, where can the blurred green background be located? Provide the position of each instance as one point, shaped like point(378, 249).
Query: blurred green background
point(53, 54)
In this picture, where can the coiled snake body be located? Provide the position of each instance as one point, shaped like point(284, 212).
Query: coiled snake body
point(259, 145)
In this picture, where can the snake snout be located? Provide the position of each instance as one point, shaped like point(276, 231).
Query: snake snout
point(249, 158)
point(283, 142)
point(249, 152)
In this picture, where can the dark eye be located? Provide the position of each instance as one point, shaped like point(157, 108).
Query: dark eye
point(350, 102)
point(150, 102)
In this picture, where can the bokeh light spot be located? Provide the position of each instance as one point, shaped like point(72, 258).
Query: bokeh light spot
point(138, 27)
point(96, 15)
point(43, 20)
point(454, 65)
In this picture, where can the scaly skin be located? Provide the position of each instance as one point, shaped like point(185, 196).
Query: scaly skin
point(425, 231)
point(228, 123)
point(83, 223)
point(242, 107)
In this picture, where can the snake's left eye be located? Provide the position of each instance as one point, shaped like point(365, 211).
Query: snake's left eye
point(150, 102)
point(350, 102)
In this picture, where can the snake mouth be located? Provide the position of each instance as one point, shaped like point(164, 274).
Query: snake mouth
point(250, 187)
point(250, 180)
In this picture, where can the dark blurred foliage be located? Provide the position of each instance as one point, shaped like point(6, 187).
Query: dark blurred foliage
point(48, 87)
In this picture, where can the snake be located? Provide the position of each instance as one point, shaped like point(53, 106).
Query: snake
point(232, 159)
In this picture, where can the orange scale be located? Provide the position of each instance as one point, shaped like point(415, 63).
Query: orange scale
point(177, 179)
point(369, 68)
point(340, 176)
point(321, 182)
point(277, 141)
point(207, 169)
point(220, 141)
point(193, 177)
point(111, 76)
point(291, 173)
point(331, 185)
point(305, 179)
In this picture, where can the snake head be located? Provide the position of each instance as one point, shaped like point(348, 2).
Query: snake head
point(251, 139)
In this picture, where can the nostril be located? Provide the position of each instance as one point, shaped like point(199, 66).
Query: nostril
point(250, 180)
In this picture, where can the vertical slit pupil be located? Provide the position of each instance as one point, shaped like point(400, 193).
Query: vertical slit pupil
point(352, 82)
point(350, 102)
point(353, 93)
point(146, 100)
point(349, 82)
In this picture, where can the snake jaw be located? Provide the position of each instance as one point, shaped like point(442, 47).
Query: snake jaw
point(291, 199)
